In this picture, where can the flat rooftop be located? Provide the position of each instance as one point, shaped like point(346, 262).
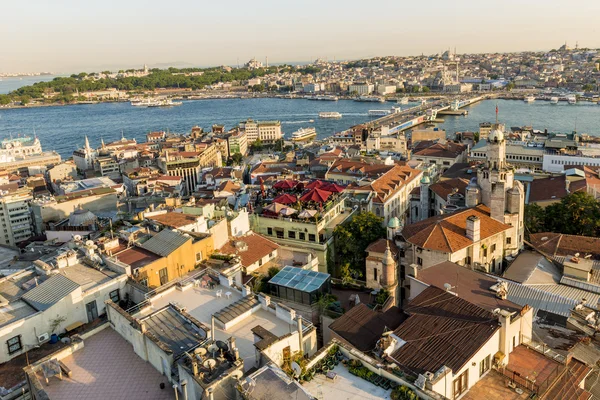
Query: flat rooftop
point(345, 386)
point(7, 255)
point(202, 303)
point(107, 368)
point(531, 364)
point(493, 387)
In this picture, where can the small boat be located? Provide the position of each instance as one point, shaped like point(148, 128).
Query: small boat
point(572, 100)
point(402, 100)
point(378, 113)
point(554, 100)
point(529, 99)
point(330, 114)
point(304, 134)
point(311, 120)
point(370, 99)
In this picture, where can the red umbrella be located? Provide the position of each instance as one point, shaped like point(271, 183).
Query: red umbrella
point(333, 187)
point(316, 195)
point(285, 184)
point(285, 198)
point(315, 184)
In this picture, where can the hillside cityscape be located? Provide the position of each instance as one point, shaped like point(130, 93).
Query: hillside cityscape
point(392, 227)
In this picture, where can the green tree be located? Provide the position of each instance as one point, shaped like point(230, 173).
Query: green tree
point(576, 214)
point(237, 158)
point(510, 86)
point(256, 145)
point(25, 100)
point(5, 99)
point(534, 219)
point(425, 89)
point(352, 239)
point(588, 87)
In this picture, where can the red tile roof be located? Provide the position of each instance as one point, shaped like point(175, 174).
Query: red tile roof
point(258, 247)
point(174, 219)
point(136, 257)
point(448, 233)
point(444, 188)
point(380, 245)
point(389, 182)
point(557, 244)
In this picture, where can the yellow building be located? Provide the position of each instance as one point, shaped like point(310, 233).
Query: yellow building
point(166, 256)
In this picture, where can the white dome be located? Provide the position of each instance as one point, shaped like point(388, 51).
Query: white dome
point(81, 217)
point(496, 136)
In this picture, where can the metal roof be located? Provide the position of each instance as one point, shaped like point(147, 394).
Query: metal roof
point(165, 242)
point(540, 299)
point(300, 279)
point(49, 292)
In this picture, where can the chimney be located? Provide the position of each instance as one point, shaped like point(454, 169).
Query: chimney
point(300, 335)
point(474, 228)
point(184, 389)
point(413, 270)
point(232, 347)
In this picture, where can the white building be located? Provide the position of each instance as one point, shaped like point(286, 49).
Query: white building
point(15, 216)
point(266, 131)
point(20, 147)
point(361, 88)
point(84, 158)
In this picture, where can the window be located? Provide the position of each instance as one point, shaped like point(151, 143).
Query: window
point(14, 344)
point(493, 248)
point(114, 296)
point(163, 275)
point(311, 237)
point(461, 384)
point(270, 231)
point(514, 342)
point(292, 234)
point(279, 234)
point(375, 274)
point(508, 240)
point(144, 282)
point(199, 256)
point(468, 260)
point(419, 261)
point(301, 235)
point(484, 366)
point(485, 252)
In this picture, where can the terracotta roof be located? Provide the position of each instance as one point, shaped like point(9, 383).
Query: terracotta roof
point(447, 150)
point(379, 246)
point(389, 183)
point(448, 233)
point(557, 244)
point(442, 329)
point(361, 168)
point(229, 186)
point(470, 285)
point(258, 247)
point(362, 327)
point(136, 257)
point(444, 188)
point(174, 219)
point(547, 189)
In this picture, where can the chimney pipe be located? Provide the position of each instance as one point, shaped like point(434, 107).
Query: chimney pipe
point(212, 327)
point(300, 335)
point(474, 228)
point(184, 389)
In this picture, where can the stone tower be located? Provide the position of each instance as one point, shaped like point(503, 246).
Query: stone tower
point(393, 226)
point(424, 197)
point(389, 275)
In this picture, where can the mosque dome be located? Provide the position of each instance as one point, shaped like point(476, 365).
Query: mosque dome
point(394, 223)
point(496, 136)
point(425, 179)
point(81, 217)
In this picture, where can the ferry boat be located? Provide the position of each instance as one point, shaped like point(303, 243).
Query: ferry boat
point(378, 113)
point(572, 100)
point(303, 134)
point(373, 99)
point(330, 114)
point(554, 100)
point(325, 97)
point(529, 99)
point(155, 103)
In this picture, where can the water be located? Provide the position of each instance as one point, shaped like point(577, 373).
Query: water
point(63, 128)
point(9, 84)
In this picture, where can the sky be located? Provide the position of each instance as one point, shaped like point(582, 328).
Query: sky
point(65, 36)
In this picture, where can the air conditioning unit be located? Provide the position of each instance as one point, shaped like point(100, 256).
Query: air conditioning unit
point(43, 337)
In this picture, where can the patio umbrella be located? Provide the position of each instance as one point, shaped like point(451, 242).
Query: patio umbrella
point(333, 187)
point(286, 212)
point(274, 208)
point(316, 195)
point(286, 184)
point(307, 214)
point(314, 184)
point(285, 198)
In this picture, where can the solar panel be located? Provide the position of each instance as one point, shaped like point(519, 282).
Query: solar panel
point(300, 279)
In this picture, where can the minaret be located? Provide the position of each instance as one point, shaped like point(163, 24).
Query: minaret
point(87, 144)
point(389, 274)
point(424, 197)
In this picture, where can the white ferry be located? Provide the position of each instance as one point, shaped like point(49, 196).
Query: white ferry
point(155, 103)
point(303, 134)
point(374, 99)
point(378, 113)
point(529, 99)
point(572, 100)
point(330, 114)
point(554, 100)
point(325, 97)
point(402, 100)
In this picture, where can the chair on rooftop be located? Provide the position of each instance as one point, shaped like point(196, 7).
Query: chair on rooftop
point(220, 293)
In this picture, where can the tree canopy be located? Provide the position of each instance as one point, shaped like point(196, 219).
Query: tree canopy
point(352, 238)
point(576, 214)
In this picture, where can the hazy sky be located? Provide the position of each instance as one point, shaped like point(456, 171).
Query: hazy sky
point(87, 35)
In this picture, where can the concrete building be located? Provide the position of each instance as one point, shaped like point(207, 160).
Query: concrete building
point(361, 88)
point(84, 157)
point(443, 154)
point(15, 216)
point(267, 131)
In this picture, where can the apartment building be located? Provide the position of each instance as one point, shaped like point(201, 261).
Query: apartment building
point(265, 131)
point(15, 216)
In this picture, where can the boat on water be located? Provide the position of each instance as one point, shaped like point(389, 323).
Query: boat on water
point(304, 134)
point(373, 99)
point(572, 100)
point(324, 97)
point(330, 114)
point(554, 100)
point(155, 103)
point(402, 100)
point(529, 99)
point(378, 113)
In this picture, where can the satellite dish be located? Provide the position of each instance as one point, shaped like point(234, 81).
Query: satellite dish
point(77, 238)
point(89, 243)
point(210, 363)
point(222, 345)
point(296, 368)
point(201, 351)
point(447, 286)
point(237, 374)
